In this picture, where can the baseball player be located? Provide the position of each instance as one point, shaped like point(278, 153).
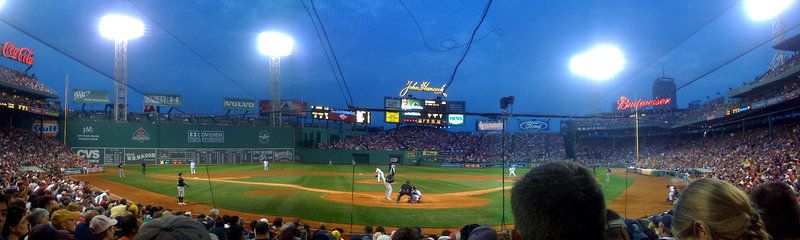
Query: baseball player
point(266, 165)
point(330, 162)
point(512, 170)
point(379, 174)
point(191, 165)
point(608, 174)
point(671, 193)
point(415, 195)
point(181, 185)
point(404, 190)
point(121, 172)
point(388, 184)
point(144, 166)
point(392, 169)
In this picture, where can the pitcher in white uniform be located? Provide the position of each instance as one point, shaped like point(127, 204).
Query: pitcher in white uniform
point(379, 174)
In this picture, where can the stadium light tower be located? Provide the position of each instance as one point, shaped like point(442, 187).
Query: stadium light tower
point(598, 64)
point(771, 9)
point(121, 29)
point(275, 45)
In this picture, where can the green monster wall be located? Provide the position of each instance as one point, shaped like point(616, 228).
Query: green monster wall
point(133, 143)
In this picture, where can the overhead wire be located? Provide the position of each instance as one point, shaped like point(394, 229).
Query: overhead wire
point(677, 44)
point(191, 49)
point(469, 44)
point(333, 53)
point(214, 204)
point(736, 57)
point(325, 50)
point(499, 31)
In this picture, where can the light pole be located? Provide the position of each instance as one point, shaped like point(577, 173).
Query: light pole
point(771, 9)
point(275, 45)
point(121, 28)
point(600, 63)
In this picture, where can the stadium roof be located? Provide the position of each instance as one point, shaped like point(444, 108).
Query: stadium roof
point(790, 44)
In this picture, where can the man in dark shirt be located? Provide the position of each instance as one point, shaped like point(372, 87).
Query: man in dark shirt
point(121, 173)
point(404, 190)
point(181, 185)
point(144, 166)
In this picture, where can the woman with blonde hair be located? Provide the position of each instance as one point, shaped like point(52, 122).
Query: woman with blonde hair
point(713, 209)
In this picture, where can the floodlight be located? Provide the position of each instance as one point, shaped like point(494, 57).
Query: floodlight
point(765, 9)
point(600, 63)
point(120, 27)
point(275, 44)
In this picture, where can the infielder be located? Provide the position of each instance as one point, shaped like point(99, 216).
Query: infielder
point(388, 184)
point(379, 174)
point(191, 166)
point(266, 165)
point(330, 162)
point(392, 169)
point(608, 174)
point(512, 171)
point(121, 172)
point(181, 185)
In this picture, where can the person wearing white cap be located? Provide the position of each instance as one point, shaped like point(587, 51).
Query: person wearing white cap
point(102, 227)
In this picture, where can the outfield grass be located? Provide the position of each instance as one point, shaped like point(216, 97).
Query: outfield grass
point(309, 205)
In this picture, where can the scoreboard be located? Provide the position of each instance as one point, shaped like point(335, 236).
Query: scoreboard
point(423, 111)
point(326, 113)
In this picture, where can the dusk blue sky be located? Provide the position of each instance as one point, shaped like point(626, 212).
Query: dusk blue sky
point(379, 48)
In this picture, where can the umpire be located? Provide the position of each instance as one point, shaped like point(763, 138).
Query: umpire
point(404, 190)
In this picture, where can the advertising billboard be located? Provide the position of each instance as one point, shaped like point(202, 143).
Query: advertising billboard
point(489, 125)
point(162, 100)
point(534, 125)
point(288, 108)
point(239, 104)
point(326, 113)
point(91, 96)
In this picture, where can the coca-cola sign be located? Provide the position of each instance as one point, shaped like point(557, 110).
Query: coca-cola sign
point(23, 55)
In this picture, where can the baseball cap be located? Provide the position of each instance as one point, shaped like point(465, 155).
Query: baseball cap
point(47, 232)
point(62, 216)
point(483, 233)
point(264, 220)
point(667, 221)
point(173, 227)
point(101, 223)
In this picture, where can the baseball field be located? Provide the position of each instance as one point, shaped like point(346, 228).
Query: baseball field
point(343, 194)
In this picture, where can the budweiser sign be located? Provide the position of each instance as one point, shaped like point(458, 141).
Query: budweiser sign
point(625, 103)
point(23, 55)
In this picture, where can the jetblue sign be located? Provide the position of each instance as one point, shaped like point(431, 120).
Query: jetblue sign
point(534, 125)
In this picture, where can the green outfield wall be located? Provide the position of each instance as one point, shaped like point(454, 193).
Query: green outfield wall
point(133, 143)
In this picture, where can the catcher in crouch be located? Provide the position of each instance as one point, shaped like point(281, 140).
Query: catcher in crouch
point(415, 195)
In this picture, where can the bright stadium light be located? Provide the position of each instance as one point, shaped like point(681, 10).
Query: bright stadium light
point(120, 27)
point(765, 9)
point(275, 44)
point(600, 63)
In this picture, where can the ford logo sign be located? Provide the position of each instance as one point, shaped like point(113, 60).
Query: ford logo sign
point(533, 125)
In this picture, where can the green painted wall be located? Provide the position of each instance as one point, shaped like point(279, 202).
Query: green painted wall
point(342, 156)
point(128, 135)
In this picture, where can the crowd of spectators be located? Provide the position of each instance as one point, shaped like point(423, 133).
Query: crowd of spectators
point(24, 148)
point(22, 79)
point(744, 160)
point(790, 64)
point(459, 146)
